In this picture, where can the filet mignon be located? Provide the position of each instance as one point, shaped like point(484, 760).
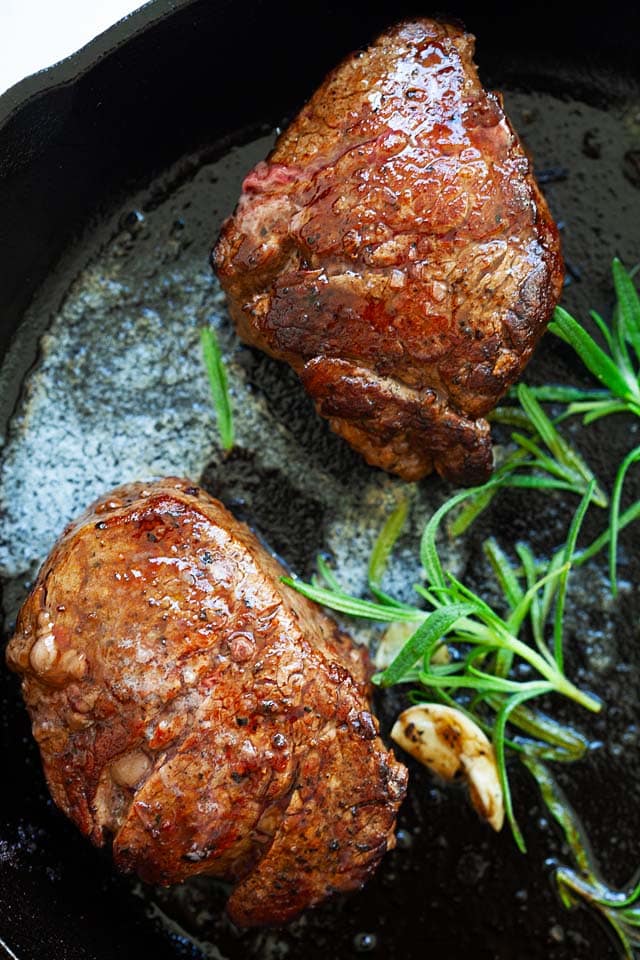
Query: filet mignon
point(395, 249)
point(197, 713)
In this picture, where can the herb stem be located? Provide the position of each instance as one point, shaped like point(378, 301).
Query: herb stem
point(632, 457)
point(629, 516)
point(558, 680)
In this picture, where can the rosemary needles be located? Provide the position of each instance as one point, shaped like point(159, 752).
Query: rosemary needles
point(492, 670)
point(541, 459)
point(493, 662)
point(218, 384)
point(616, 366)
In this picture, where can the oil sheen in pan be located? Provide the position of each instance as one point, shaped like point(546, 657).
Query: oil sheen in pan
point(118, 392)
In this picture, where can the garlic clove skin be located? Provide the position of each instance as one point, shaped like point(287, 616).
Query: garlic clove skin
point(452, 746)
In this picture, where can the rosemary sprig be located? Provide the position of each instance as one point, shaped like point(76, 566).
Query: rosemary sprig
point(617, 368)
point(541, 459)
point(481, 677)
point(487, 647)
point(620, 910)
point(218, 384)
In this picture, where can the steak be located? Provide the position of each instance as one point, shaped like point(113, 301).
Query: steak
point(395, 250)
point(199, 715)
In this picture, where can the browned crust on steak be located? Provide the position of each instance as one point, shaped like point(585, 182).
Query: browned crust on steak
point(199, 714)
point(397, 226)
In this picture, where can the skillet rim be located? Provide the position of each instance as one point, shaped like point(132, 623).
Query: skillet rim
point(77, 64)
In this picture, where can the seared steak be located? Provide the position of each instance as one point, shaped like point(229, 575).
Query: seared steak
point(197, 713)
point(395, 249)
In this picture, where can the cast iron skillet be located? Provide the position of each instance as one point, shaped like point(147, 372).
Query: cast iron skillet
point(185, 76)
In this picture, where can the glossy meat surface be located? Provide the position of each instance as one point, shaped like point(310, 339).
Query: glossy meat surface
point(395, 249)
point(197, 713)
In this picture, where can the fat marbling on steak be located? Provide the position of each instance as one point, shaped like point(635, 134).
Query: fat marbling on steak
point(198, 714)
point(395, 249)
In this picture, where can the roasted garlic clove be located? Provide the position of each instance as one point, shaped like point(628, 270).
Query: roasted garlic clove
point(451, 745)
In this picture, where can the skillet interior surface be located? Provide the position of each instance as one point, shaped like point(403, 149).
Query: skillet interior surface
point(113, 187)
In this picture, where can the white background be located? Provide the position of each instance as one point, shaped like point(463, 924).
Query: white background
point(36, 33)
